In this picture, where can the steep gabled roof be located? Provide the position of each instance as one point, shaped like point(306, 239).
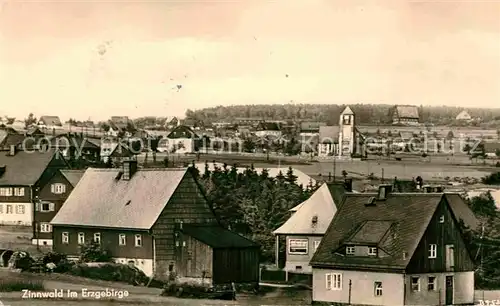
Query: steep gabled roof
point(407, 111)
point(101, 200)
point(322, 205)
point(51, 120)
point(182, 131)
point(268, 126)
point(409, 213)
point(73, 176)
point(25, 168)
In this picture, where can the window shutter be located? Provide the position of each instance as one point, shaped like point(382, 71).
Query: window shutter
point(63, 188)
point(37, 206)
point(328, 281)
point(53, 188)
point(52, 207)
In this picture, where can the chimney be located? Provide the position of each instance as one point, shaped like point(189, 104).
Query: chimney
point(129, 169)
point(12, 151)
point(383, 191)
point(348, 185)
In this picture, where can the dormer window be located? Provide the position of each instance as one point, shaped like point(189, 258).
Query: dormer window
point(372, 251)
point(350, 250)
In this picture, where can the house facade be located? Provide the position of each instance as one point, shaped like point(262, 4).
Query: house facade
point(20, 174)
point(107, 207)
point(182, 139)
point(49, 199)
point(307, 225)
point(405, 115)
point(395, 249)
point(268, 129)
point(76, 147)
point(463, 116)
point(49, 122)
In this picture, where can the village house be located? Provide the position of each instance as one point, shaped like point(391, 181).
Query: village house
point(120, 126)
point(310, 219)
point(171, 122)
point(75, 146)
point(49, 199)
point(390, 248)
point(183, 139)
point(49, 123)
point(20, 174)
point(463, 116)
point(405, 115)
point(177, 233)
point(491, 149)
point(114, 151)
point(268, 129)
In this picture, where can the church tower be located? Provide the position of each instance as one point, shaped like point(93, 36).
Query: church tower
point(346, 133)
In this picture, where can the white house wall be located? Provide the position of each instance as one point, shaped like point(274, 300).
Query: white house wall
point(362, 288)
point(15, 218)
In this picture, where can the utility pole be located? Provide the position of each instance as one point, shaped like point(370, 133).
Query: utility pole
point(382, 175)
point(350, 285)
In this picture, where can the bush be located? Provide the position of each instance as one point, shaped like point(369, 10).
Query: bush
point(94, 253)
point(111, 272)
point(17, 285)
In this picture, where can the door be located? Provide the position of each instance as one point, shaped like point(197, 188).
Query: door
point(449, 290)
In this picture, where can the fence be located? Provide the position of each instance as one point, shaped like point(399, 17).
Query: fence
point(282, 276)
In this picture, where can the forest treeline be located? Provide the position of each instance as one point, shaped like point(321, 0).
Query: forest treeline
point(329, 113)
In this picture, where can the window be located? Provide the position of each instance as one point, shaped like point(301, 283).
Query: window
point(372, 251)
point(431, 283)
point(97, 238)
point(441, 219)
point(378, 288)
point(415, 284)
point(350, 250)
point(65, 237)
point(81, 238)
point(138, 240)
point(297, 246)
point(9, 209)
point(58, 188)
point(316, 244)
point(334, 281)
point(432, 251)
point(45, 228)
point(20, 209)
point(47, 206)
point(19, 192)
point(122, 239)
point(347, 119)
point(6, 192)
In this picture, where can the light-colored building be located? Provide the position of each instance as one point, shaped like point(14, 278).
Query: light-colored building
point(310, 219)
point(182, 139)
point(268, 129)
point(395, 249)
point(463, 116)
point(342, 140)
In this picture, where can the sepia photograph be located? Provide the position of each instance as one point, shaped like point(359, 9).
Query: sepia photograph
point(263, 152)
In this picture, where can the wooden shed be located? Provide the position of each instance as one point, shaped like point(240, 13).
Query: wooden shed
point(217, 255)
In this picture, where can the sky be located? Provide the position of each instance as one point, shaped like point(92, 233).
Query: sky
point(95, 59)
